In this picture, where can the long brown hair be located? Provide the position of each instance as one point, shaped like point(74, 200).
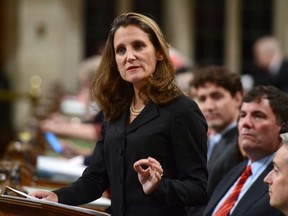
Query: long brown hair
point(112, 93)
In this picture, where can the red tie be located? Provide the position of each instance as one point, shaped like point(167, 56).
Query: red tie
point(225, 208)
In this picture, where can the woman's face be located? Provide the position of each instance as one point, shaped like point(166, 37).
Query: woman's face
point(135, 55)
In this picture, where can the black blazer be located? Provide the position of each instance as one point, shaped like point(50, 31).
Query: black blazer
point(174, 134)
point(255, 201)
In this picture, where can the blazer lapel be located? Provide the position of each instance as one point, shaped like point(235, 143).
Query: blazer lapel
point(121, 123)
point(149, 112)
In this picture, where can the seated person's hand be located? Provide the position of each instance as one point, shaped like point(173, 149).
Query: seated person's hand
point(70, 150)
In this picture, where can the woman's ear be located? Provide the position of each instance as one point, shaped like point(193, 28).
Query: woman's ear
point(159, 56)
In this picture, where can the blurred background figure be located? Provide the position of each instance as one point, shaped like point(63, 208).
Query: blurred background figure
point(179, 60)
point(69, 134)
point(277, 178)
point(183, 77)
point(78, 116)
point(271, 66)
point(183, 69)
point(81, 102)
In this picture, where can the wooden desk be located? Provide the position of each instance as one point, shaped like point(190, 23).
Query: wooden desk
point(100, 204)
point(17, 206)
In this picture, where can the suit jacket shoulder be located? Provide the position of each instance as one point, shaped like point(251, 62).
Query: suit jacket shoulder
point(254, 202)
point(225, 156)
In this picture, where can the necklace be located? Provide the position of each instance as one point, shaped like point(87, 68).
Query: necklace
point(134, 111)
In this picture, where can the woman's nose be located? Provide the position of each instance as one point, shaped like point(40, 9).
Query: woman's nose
point(130, 55)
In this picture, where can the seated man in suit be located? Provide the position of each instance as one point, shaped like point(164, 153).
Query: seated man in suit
point(218, 92)
point(277, 178)
point(262, 114)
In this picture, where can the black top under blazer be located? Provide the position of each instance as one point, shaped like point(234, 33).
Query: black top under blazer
point(175, 134)
point(255, 201)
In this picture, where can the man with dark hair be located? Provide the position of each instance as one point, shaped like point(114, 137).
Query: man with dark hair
point(218, 92)
point(242, 191)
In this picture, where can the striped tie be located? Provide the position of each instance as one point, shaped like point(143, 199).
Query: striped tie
point(225, 208)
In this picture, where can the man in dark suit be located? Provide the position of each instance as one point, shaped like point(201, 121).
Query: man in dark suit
point(218, 92)
point(262, 113)
point(271, 66)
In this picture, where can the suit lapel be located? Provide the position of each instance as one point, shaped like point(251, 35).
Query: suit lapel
point(257, 190)
point(217, 152)
point(224, 186)
point(149, 112)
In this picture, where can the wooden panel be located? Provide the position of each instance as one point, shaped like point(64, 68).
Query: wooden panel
point(15, 206)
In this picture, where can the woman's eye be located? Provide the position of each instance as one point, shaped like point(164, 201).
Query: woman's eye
point(120, 50)
point(139, 45)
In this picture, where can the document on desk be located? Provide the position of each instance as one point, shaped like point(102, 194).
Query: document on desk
point(33, 199)
point(20, 192)
point(101, 202)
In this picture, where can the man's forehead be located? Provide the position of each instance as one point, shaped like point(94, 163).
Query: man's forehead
point(262, 105)
point(281, 154)
point(259, 102)
point(210, 87)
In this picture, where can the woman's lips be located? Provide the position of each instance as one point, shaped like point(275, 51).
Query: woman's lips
point(132, 67)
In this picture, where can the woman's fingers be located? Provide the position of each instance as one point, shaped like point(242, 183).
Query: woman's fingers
point(141, 166)
point(156, 165)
